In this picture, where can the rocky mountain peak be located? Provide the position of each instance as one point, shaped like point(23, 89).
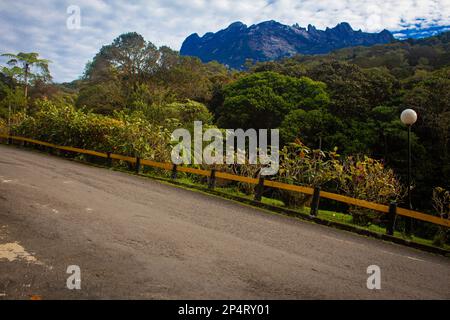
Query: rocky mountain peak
point(270, 40)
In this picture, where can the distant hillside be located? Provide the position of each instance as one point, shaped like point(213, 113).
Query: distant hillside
point(271, 40)
point(401, 58)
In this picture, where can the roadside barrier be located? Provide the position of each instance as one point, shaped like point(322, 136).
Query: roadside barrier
point(390, 210)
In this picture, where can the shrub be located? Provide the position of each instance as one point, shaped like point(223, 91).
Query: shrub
point(367, 179)
point(441, 203)
point(138, 137)
point(301, 165)
point(126, 134)
point(3, 127)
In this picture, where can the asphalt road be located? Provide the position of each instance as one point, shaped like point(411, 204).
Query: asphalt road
point(133, 237)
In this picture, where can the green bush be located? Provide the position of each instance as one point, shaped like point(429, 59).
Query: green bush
point(441, 203)
point(367, 179)
point(125, 134)
point(3, 127)
point(302, 166)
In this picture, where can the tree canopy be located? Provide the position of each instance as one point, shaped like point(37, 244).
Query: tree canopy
point(262, 100)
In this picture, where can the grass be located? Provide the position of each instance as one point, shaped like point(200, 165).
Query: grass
point(347, 219)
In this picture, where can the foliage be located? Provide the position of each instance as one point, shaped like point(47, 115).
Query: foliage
point(261, 100)
point(441, 203)
point(313, 127)
point(367, 179)
point(131, 71)
point(3, 127)
point(104, 98)
point(369, 87)
point(129, 56)
point(23, 65)
point(189, 111)
point(175, 114)
point(13, 98)
point(401, 58)
point(125, 134)
point(302, 166)
point(138, 137)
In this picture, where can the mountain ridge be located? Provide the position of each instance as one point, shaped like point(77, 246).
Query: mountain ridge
point(271, 40)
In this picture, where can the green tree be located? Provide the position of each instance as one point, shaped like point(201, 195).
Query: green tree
point(430, 97)
point(189, 111)
point(129, 57)
point(24, 64)
point(12, 101)
point(262, 100)
point(103, 98)
point(315, 128)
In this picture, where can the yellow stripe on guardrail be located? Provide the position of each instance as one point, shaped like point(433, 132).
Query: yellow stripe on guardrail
point(90, 152)
point(290, 187)
point(423, 216)
point(161, 165)
point(355, 202)
point(51, 145)
point(47, 144)
point(123, 158)
point(268, 183)
point(194, 171)
point(229, 176)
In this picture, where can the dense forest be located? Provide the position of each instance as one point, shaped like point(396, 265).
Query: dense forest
point(345, 105)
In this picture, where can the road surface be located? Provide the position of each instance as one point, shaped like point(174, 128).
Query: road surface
point(133, 237)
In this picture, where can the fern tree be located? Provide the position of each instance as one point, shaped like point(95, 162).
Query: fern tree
point(24, 64)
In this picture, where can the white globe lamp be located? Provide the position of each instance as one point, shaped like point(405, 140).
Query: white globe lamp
point(408, 117)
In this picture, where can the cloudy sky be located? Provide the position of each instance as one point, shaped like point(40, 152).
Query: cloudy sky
point(42, 25)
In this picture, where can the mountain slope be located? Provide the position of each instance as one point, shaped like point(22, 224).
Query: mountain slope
point(271, 40)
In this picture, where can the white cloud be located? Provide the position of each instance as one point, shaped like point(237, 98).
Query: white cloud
point(41, 26)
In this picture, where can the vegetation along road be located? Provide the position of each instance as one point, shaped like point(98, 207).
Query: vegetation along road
point(138, 238)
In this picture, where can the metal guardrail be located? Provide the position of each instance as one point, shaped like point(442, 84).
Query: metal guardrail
point(391, 210)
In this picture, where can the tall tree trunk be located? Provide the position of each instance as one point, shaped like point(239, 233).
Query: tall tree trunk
point(26, 87)
point(9, 118)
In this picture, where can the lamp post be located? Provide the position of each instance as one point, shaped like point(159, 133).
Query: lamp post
point(409, 117)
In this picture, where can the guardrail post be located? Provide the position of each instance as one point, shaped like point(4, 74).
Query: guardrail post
point(174, 171)
point(259, 189)
point(109, 159)
point(391, 218)
point(315, 202)
point(212, 179)
point(138, 165)
point(10, 140)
